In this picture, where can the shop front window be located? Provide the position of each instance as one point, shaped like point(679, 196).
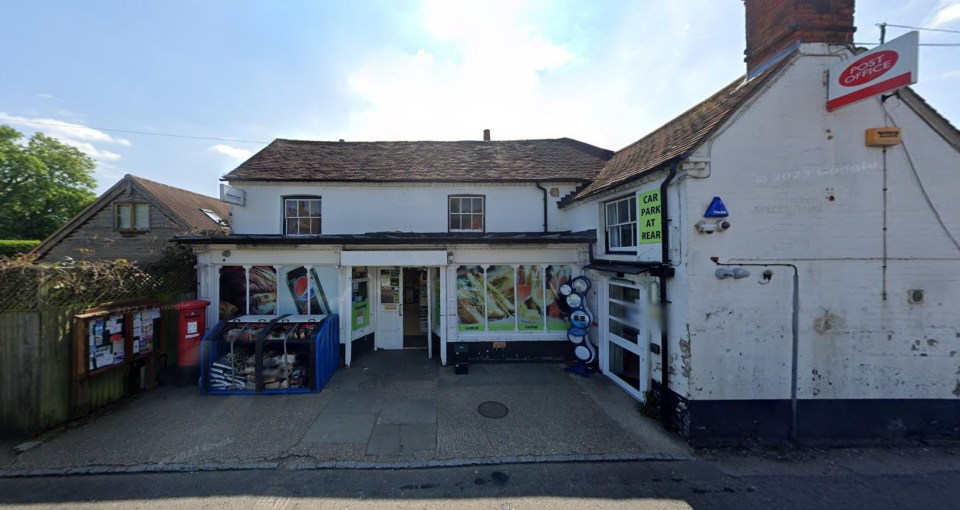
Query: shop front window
point(621, 224)
point(466, 213)
point(301, 216)
point(511, 298)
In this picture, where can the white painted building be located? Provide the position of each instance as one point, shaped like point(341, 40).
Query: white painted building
point(822, 306)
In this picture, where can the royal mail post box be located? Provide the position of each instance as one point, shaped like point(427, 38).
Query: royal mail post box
point(191, 318)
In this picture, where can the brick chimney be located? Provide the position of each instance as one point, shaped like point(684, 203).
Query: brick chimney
point(775, 26)
point(486, 135)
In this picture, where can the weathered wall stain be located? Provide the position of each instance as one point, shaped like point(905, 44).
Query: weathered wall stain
point(827, 322)
point(956, 391)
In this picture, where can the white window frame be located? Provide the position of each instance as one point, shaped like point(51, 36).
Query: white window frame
point(138, 222)
point(319, 217)
point(608, 226)
point(482, 213)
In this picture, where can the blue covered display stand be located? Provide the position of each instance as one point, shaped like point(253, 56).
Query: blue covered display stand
point(267, 354)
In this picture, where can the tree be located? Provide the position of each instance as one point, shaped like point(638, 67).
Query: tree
point(43, 184)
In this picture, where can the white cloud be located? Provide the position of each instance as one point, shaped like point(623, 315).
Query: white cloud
point(948, 12)
point(951, 74)
point(71, 133)
point(233, 152)
point(44, 95)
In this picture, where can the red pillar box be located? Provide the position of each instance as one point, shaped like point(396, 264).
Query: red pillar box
point(191, 324)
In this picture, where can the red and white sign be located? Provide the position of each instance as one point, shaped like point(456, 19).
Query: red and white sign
point(883, 69)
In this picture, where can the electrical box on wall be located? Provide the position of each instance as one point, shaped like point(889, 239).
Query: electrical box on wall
point(883, 136)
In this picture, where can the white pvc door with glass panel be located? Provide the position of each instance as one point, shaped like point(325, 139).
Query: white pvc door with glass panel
point(390, 309)
point(625, 355)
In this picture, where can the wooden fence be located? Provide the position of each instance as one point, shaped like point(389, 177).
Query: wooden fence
point(36, 368)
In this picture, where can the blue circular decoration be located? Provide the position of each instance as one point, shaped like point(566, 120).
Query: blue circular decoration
point(575, 331)
point(581, 318)
point(577, 339)
point(581, 284)
point(584, 353)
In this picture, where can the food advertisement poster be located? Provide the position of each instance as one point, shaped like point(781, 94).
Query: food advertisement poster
point(296, 291)
point(470, 299)
point(233, 291)
point(530, 298)
point(556, 276)
point(501, 306)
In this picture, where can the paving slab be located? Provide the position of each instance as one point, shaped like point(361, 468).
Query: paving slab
point(390, 439)
point(342, 428)
point(409, 411)
point(354, 402)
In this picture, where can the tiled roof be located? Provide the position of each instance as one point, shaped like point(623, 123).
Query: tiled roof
point(561, 159)
point(677, 137)
point(186, 204)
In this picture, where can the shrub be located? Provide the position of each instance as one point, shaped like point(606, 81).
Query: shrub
point(13, 247)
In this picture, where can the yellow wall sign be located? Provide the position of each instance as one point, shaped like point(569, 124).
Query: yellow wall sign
point(883, 137)
point(648, 219)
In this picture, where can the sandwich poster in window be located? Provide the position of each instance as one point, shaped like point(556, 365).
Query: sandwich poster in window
point(308, 292)
point(233, 291)
point(556, 276)
point(470, 300)
point(530, 305)
point(501, 308)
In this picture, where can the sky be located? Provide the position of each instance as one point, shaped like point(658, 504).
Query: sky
point(238, 74)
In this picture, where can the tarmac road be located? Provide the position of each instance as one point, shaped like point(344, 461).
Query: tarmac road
point(862, 481)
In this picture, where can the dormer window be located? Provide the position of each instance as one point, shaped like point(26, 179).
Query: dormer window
point(132, 217)
point(466, 213)
point(621, 224)
point(301, 216)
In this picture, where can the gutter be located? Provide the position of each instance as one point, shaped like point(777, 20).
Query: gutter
point(544, 190)
point(662, 276)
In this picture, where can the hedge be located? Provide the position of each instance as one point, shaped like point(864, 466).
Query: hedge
point(12, 247)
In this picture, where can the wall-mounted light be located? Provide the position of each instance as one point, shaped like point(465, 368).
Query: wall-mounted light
point(225, 253)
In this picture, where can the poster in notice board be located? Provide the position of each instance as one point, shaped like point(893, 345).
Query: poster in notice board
point(106, 342)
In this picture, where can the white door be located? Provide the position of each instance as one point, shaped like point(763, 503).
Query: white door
point(625, 356)
point(390, 309)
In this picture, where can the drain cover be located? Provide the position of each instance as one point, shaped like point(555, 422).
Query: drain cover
point(492, 409)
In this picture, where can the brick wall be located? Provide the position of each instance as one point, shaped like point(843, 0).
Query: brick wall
point(775, 25)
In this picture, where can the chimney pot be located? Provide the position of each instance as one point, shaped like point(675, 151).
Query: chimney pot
point(486, 135)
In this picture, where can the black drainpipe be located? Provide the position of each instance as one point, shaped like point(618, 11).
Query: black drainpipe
point(544, 205)
point(662, 276)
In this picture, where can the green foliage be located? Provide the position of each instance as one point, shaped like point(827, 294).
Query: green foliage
point(12, 247)
point(43, 184)
point(26, 284)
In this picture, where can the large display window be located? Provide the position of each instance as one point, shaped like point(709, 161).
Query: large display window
point(272, 290)
point(511, 297)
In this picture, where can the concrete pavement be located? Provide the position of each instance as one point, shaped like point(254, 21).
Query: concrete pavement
point(391, 409)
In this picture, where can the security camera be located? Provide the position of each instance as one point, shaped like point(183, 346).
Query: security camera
point(722, 224)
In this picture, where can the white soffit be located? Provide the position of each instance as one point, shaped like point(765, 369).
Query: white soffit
point(393, 258)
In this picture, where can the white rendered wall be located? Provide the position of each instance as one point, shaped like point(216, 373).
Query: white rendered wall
point(810, 193)
point(361, 209)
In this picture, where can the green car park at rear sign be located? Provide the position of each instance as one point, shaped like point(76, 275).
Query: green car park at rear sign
point(648, 219)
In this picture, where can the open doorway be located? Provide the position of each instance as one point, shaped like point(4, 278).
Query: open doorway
point(415, 305)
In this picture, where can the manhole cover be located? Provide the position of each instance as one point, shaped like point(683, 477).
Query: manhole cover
point(492, 409)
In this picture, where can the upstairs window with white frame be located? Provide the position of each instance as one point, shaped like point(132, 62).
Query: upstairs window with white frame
point(301, 216)
point(621, 224)
point(132, 217)
point(466, 213)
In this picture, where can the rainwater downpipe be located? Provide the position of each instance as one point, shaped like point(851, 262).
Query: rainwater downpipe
point(883, 290)
point(665, 415)
point(544, 190)
point(795, 334)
